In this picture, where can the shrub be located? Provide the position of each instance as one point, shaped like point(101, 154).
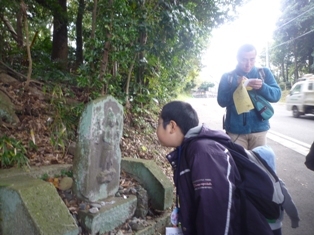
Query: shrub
point(12, 152)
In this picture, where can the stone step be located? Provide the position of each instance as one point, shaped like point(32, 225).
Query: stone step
point(33, 206)
point(110, 216)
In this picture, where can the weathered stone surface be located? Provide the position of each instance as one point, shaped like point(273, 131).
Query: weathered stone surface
point(101, 220)
point(142, 202)
point(7, 112)
point(33, 206)
point(35, 171)
point(158, 186)
point(96, 166)
point(157, 226)
point(65, 183)
point(110, 216)
point(5, 78)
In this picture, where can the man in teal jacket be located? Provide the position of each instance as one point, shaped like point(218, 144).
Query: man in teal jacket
point(247, 129)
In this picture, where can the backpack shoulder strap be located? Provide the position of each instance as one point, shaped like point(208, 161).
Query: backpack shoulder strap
point(230, 77)
point(261, 73)
point(259, 161)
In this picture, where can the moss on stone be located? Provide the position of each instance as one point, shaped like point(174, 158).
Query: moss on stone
point(38, 204)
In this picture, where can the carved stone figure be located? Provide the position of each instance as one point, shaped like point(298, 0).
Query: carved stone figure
point(96, 167)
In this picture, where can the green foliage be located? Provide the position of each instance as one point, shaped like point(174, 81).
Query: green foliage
point(66, 117)
point(45, 177)
point(282, 86)
point(12, 153)
point(32, 146)
point(205, 85)
point(293, 47)
point(68, 173)
point(154, 49)
point(284, 94)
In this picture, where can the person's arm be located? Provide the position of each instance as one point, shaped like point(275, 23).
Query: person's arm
point(289, 206)
point(225, 90)
point(212, 181)
point(270, 89)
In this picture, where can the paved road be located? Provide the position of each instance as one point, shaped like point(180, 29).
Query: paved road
point(290, 167)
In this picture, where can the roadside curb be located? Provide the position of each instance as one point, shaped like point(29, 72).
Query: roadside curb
point(291, 143)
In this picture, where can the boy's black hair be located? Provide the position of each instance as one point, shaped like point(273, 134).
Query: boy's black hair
point(245, 48)
point(180, 112)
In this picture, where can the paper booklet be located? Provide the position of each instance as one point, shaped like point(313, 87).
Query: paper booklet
point(242, 99)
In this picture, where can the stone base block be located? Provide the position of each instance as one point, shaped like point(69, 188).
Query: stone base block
point(113, 214)
point(33, 206)
point(148, 173)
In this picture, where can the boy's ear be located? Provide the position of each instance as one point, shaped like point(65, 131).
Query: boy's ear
point(173, 126)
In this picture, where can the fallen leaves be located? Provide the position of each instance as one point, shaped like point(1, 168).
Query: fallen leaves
point(54, 181)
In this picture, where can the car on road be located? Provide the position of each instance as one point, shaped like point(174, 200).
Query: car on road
point(300, 99)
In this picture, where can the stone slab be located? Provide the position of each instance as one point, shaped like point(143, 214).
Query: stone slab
point(34, 171)
point(33, 206)
point(109, 216)
point(158, 226)
point(158, 186)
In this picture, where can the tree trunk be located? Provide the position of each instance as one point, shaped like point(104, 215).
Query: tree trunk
point(9, 26)
point(94, 19)
point(60, 35)
point(104, 64)
point(79, 34)
point(94, 16)
point(19, 27)
point(29, 56)
point(296, 71)
point(311, 64)
point(127, 89)
point(105, 59)
point(142, 39)
point(282, 71)
point(287, 74)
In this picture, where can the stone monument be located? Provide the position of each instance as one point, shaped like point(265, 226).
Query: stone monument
point(97, 162)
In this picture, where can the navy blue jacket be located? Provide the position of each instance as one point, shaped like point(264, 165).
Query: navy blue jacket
point(205, 181)
point(250, 122)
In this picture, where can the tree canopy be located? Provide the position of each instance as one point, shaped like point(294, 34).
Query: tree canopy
point(64, 53)
point(136, 50)
point(292, 51)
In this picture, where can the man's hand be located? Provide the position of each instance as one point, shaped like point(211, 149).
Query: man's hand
point(255, 83)
point(241, 79)
point(252, 83)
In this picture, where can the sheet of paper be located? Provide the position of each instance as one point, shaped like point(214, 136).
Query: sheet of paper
point(242, 99)
point(245, 83)
point(173, 231)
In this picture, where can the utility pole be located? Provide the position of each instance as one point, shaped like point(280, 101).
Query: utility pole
point(267, 55)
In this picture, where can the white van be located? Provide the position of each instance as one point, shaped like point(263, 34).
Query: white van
point(301, 96)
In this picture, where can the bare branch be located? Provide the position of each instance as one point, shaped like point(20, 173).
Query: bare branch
point(9, 27)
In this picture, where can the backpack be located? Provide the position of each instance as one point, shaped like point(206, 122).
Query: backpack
point(259, 183)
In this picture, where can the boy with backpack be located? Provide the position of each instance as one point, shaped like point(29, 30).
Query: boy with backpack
point(210, 186)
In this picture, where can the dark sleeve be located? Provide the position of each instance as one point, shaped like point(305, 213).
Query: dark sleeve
point(270, 89)
point(309, 159)
point(212, 179)
point(289, 206)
